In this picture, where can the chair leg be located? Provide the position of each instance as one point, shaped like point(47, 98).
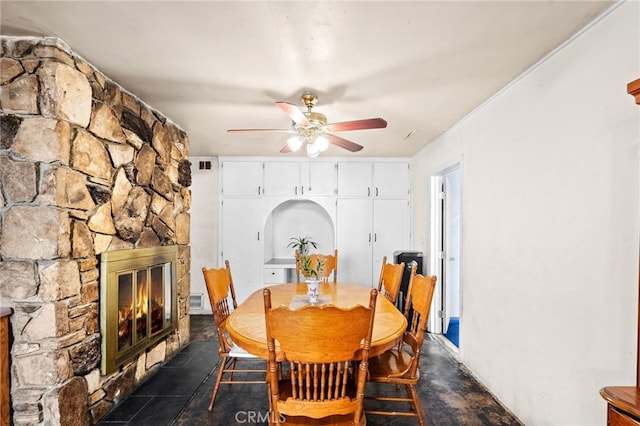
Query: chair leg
point(416, 403)
point(232, 367)
point(223, 367)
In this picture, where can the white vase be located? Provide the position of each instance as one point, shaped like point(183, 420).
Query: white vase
point(313, 290)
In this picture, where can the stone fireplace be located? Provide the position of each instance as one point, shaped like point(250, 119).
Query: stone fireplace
point(87, 170)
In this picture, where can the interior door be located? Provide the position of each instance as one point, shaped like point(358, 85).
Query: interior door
point(450, 256)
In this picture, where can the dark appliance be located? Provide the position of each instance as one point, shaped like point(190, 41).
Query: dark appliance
point(409, 258)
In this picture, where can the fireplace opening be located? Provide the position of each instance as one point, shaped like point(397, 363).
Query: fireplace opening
point(138, 299)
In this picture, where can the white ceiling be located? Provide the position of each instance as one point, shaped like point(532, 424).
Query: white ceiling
point(214, 65)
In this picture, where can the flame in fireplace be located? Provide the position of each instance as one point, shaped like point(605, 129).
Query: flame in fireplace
point(133, 312)
point(142, 307)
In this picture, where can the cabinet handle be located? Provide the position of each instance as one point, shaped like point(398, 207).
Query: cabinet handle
point(368, 191)
point(295, 190)
point(258, 189)
point(258, 235)
point(302, 190)
point(369, 237)
point(376, 191)
point(375, 237)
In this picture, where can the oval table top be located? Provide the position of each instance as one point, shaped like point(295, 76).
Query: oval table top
point(246, 325)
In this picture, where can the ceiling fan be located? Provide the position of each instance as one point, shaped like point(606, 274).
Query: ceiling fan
point(311, 128)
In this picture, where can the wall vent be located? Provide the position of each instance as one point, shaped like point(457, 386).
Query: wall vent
point(204, 165)
point(196, 301)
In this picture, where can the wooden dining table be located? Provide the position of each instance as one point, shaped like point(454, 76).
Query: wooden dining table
point(246, 324)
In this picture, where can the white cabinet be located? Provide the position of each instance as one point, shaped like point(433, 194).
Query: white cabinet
point(275, 275)
point(281, 178)
point(390, 180)
point(242, 232)
point(391, 230)
point(299, 179)
point(242, 178)
point(373, 179)
point(367, 202)
point(354, 179)
point(318, 178)
point(354, 240)
point(369, 229)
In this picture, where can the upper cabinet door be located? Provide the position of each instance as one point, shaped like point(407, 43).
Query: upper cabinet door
point(242, 178)
point(354, 179)
point(391, 180)
point(318, 178)
point(282, 178)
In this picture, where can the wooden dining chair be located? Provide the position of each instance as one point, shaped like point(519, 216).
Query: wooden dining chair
point(318, 344)
point(399, 366)
point(330, 265)
point(390, 279)
point(223, 297)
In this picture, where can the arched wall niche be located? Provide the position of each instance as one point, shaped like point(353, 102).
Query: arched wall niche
point(298, 218)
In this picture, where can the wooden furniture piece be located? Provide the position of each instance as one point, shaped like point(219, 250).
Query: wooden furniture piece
point(623, 402)
point(219, 284)
point(246, 324)
point(5, 383)
point(633, 89)
point(399, 366)
point(390, 279)
point(330, 265)
point(318, 345)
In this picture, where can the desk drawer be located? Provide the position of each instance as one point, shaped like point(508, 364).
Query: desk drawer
point(275, 275)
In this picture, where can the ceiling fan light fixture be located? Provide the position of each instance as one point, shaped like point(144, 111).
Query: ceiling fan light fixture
point(294, 143)
point(311, 128)
point(322, 143)
point(312, 150)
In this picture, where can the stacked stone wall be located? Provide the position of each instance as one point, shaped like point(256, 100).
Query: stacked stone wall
point(85, 168)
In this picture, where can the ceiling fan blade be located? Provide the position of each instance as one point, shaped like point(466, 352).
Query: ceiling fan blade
point(259, 130)
point(343, 143)
point(368, 123)
point(294, 113)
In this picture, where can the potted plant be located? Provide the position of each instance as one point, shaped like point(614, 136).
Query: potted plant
point(302, 244)
point(311, 269)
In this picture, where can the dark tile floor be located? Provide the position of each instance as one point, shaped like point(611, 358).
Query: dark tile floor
point(178, 393)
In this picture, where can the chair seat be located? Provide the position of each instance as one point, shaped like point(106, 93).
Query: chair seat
point(237, 352)
point(392, 364)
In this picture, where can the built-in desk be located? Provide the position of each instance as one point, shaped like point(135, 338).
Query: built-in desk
point(280, 270)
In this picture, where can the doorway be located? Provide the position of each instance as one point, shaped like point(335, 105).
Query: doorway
point(446, 244)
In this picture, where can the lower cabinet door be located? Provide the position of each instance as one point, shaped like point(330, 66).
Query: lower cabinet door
point(242, 236)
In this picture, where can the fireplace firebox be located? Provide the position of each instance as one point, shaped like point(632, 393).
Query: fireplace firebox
point(138, 302)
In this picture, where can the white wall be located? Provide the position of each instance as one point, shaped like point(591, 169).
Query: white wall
point(204, 225)
point(550, 227)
